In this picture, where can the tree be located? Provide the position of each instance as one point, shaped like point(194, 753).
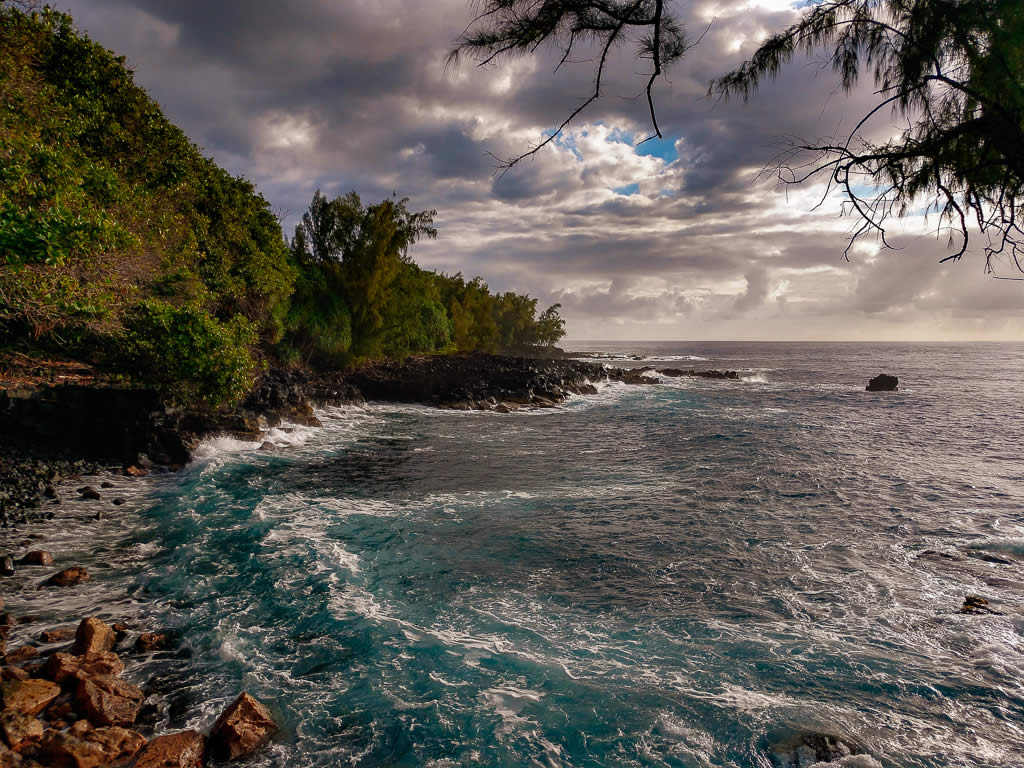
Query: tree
point(507, 29)
point(953, 70)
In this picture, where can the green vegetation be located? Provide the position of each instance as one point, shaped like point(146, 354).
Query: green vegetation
point(359, 295)
point(121, 244)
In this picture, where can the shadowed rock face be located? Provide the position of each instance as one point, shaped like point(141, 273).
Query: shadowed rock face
point(883, 382)
point(443, 380)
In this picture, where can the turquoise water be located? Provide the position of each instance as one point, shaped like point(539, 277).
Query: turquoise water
point(653, 576)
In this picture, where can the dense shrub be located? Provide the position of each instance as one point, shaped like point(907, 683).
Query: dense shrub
point(187, 353)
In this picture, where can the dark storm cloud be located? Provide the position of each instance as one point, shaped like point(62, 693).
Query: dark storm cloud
point(343, 95)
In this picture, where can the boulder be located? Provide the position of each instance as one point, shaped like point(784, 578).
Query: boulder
point(243, 727)
point(6, 566)
point(88, 492)
point(9, 759)
point(64, 668)
point(134, 471)
point(883, 382)
point(150, 641)
point(29, 697)
point(37, 557)
point(19, 730)
point(105, 700)
point(69, 577)
point(57, 635)
point(21, 655)
point(177, 750)
point(84, 747)
point(93, 636)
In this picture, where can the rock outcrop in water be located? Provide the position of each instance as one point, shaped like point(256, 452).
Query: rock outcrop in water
point(711, 374)
point(883, 382)
point(75, 710)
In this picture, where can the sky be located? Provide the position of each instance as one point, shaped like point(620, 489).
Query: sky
point(672, 240)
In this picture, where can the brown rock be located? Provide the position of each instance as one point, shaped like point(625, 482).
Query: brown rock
point(105, 700)
point(93, 636)
point(134, 471)
point(57, 635)
point(37, 557)
point(63, 668)
point(21, 655)
point(177, 750)
point(28, 696)
point(119, 744)
point(150, 641)
point(15, 673)
point(243, 727)
point(69, 577)
point(8, 619)
point(83, 745)
point(9, 759)
point(19, 730)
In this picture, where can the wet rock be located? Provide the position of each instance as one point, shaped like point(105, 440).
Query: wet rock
point(150, 641)
point(64, 668)
point(29, 697)
point(797, 749)
point(37, 557)
point(19, 730)
point(711, 374)
point(977, 605)
point(118, 502)
point(177, 750)
point(83, 747)
point(6, 566)
point(57, 635)
point(106, 484)
point(242, 728)
point(88, 492)
point(8, 620)
point(93, 636)
point(69, 577)
point(134, 471)
point(883, 383)
point(502, 408)
point(105, 700)
point(21, 655)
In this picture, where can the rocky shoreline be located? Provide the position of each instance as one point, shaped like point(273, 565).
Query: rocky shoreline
point(63, 701)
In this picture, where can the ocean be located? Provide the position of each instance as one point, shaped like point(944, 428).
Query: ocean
point(671, 575)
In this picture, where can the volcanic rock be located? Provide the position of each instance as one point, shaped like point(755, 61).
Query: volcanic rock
point(64, 667)
point(150, 641)
point(21, 655)
point(105, 700)
point(93, 636)
point(883, 383)
point(67, 578)
point(57, 635)
point(84, 747)
point(243, 727)
point(37, 557)
point(18, 729)
point(186, 749)
point(29, 697)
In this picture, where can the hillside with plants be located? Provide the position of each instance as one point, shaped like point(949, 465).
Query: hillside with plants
point(123, 246)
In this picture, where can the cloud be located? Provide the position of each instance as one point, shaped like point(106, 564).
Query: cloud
point(674, 239)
